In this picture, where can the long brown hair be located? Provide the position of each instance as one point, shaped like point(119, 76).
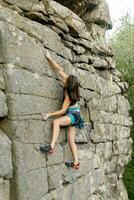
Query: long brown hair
point(72, 88)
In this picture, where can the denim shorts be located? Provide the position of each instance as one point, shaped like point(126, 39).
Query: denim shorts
point(74, 114)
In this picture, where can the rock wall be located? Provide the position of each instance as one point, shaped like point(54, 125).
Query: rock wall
point(29, 87)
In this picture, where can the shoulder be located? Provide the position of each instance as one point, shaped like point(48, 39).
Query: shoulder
point(67, 97)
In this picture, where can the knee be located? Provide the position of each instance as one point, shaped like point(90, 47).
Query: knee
point(55, 122)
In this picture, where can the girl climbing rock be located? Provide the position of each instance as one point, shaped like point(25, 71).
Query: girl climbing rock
point(69, 115)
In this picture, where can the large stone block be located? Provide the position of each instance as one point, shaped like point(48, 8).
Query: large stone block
point(108, 132)
point(79, 6)
point(31, 185)
point(100, 15)
point(107, 104)
point(75, 24)
point(25, 5)
point(25, 131)
point(88, 95)
point(97, 33)
point(103, 132)
point(44, 34)
point(20, 104)
point(122, 189)
point(107, 88)
point(30, 131)
point(5, 156)
point(110, 166)
point(122, 161)
point(87, 79)
point(86, 159)
point(55, 176)
point(13, 38)
point(110, 117)
point(122, 132)
point(3, 104)
point(123, 105)
point(27, 158)
point(83, 135)
point(89, 184)
point(4, 189)
point(58, 193)
point(22, 81)
point(123, 146)
point(104, 150)
point(57, 158)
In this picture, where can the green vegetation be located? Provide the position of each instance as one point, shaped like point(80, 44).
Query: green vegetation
point(123, 45)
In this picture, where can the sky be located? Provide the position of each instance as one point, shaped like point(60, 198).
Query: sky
point(119, 8)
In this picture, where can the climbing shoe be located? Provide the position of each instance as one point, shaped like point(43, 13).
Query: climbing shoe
point(47, 148)
point(76, 167)
point(71, 164)
point(68, 164)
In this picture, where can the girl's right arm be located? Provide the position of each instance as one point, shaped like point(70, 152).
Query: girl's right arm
point(57, 68)
point(60, 112)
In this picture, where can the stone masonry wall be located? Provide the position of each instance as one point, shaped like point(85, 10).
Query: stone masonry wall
point(5, 147)
point(29, 87)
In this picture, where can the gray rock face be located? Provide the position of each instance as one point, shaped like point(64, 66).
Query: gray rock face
point(80, 6)
point(29, 87)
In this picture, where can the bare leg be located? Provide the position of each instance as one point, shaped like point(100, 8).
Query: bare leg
point(71, 141)
point(61, 121)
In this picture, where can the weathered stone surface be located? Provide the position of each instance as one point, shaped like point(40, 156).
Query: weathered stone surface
point(4, 189)
point(21, 56)
point(84, 77)
point(85, 66)
point(113, 118)
point(122, 146)
point(58, 193)
point(30, 185)
point(108, 132)
point(21, 81)
point(122, 161)
point(122, 132)
point(23, 4)
point(2, 83)
point(92, 180)
point(55, 176)
point(123, 86)
point(105, 74)
point(29, 87)
point(99, 16)
point(83, 135)
point(3, 105)
point(30, 131)
point(123, 105)
point(76, 48)
point(57, 157)
point(21, 104)
point(75, 24)
point(23, 153)
point(107, 87)
point(46, 197)
point(88, 95)
point(122, 189)
point(5, 156)
point(108, 104)
point(79, 6)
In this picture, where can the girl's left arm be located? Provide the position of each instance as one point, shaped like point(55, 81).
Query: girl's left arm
point(60, 112)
